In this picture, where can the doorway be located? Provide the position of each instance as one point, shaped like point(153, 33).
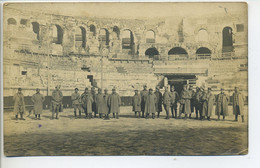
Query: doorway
point(179, 80)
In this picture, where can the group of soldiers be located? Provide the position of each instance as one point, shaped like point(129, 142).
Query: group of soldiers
point(147, 102)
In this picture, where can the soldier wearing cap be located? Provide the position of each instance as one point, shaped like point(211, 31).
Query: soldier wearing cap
point(222, 104)
point(136, 103)
point(144, 94)
point(192, 100)
point(38, 100)
point(114, 102)
point(100, 101)
point(93, 93)
point(238, 104)
point(209, 100)
point(167, 101)
point(197, 102)
point(174, 99)
point(150, 104)
point(158, 103)
point(185, 102)
point(106, 108)
point(87, 101)
point(19, 105)
point(56, 101)
point(76, 102)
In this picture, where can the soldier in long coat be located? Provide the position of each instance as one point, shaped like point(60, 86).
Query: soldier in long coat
point(100, 101)
point(197, 102)
point(150, 104)
point(136, 103)
point(185, 102)
point(144, 94)
point(158, 103)
point(56, 101)
point(192, 100)
point(167, 101)
point(76, 102)
point(174, 102)
point(87, 101)
point(222, 104)
point(105, 106)
point(38, 100)
point(114, 102)
point(19, 105)
point(209, 100)
point(238, 104)
point(94, 109)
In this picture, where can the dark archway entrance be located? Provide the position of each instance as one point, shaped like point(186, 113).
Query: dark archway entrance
point(227, 39)
point(152, 53)
point(203, 53)
point(179, 80)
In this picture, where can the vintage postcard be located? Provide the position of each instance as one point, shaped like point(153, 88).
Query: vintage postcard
point(125, 79)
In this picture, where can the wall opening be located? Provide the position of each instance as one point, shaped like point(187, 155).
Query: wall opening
point(177, 53)
point(150, 36)
point(92, 29)
point(24, 22)
point(80, 37)
point(57, 34)
point(203, 35)
point(36, 29)
point(152, 53)
point(128, 41)
point(203, 53)
point(117, 31)
point(103, 37)
point(11, 21)
point(227, 39)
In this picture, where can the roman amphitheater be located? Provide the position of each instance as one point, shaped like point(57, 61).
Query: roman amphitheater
point(43, 50)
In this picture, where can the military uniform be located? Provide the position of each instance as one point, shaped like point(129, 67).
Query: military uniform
point(167, 102)
point(56, 102)
point(38, 100)
point(87, 101)
point(222, 105)
point(114, 102)
point(136, 103)
point(19, 105)
point(150, 105)
point(159, 100)
point(76, 103)
point(144, 94)
point(174, 99)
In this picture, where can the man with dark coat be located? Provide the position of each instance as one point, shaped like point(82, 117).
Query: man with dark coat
point(222, 104)
point(238, 104)
point(192, 100)
point(136, 103)
point(19, 105)
point(158, 103)
point(87, 101)
point(209, 100)
point(37, 100)
point(167, 101)
point(174, 99)
point(185, 102)
point(114, 102)
point(56, 100)
point(76, 102)
point(105, 107)
point(144, 94)
point(150, 104)
point(93, 94)
point(197, 102)
point(100, 101)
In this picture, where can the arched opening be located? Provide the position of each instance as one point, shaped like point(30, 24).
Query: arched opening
point(80, 37)
point(203, 35)
point(128, 42)
point(227, 39)
point(57, 34)
point(203, 53)
point(177, 53)
point(103, 37)
point(24, 22)
point(152, 53)
point(11, 21)
point(92, 29)
point(117, 31)
point(150, 36)
point(36, 29)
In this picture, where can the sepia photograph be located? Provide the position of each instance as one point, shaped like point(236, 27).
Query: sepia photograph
point(125, 79)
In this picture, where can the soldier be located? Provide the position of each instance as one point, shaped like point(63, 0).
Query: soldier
point(150, 104)
point(114, 102)
point(197, 102)
point(76, 102)
point(87, 101)
point(19, 105)
point(106, 109)
point(174, 99)
point(100, 101)
point(144, 94)
point(37, 100)
point(136, 103)
point(192, 100)
point(93, 93)
point(158, 104)
point(238, 104)
point(56, 102)
point(167, 101)
point(208, 103)
point(185, 102)
point(222, 104)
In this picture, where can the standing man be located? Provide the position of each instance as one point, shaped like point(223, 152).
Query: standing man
point(150, 104)
point(211, 101)
point(106, 108)
point(222, 104)
point(158, 103)
point(144, 94)
point(185, 102)
point(136, 103)
point(76, 102)
point(19, 105)
point(174, 99)
point(167, 101)
point(192, 100)
point(114, 102)
point(100, 101)
point(87, 102)
point(56, 102)
point(238, 104)
point(93, 93)
point(197, 102)
point(37, 100)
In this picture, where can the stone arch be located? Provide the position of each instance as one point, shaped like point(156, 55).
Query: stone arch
point(103, 36)
point(150, 36)
point(11, 21)
point(92, 29)
point(36, 29)
point(203, 35)
point(177, 51)
point(116, 30)
point(57, 34)
point(203, 53)
point(227, 39)
point(152, 53)
point(128, 41)
point(80, 37)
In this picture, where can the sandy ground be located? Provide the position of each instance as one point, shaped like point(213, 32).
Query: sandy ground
point(124, 136)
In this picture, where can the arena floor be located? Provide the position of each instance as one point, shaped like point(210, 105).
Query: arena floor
point(124, 136)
